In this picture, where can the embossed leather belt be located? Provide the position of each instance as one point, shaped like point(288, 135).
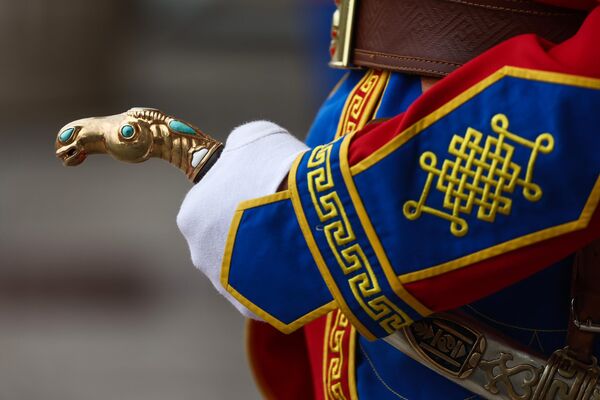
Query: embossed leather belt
point(434, 37)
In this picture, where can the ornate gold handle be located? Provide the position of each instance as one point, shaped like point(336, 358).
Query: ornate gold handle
point(137, 135)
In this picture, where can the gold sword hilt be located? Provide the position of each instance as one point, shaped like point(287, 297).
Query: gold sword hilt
point(137, 135)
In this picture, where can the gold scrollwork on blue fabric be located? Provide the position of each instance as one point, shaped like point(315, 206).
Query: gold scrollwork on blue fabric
point(481, 174)
point(344, 245)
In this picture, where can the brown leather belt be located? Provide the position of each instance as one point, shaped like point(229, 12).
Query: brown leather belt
point(434, 37)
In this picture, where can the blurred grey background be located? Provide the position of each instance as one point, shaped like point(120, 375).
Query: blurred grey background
point(98, 297)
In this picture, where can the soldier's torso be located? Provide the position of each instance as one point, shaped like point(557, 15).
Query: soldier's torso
point(534, 311)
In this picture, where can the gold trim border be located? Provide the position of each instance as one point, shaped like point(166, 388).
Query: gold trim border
point(362, 104)
point(424, 123)
point(427, 121)
point(351, 359)
point(514, 244)
point(370, 100)
point(226, 266)
point(325, 355)
point(372, 236)
point(316, 252)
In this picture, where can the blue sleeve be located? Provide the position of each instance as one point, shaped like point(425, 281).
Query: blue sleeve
point(486, 174)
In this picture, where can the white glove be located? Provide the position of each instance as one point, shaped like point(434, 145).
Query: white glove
point(256, 159)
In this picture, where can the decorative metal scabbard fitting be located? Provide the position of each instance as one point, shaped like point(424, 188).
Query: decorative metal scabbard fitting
point(137, 135)
point(477, 358)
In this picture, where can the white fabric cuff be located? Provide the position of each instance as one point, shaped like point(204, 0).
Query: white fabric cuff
point(256, 159)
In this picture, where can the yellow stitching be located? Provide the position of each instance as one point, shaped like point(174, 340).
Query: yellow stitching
point(271, 320)
point(353, 258)
point(371, 86)
point(316, 252)
point(237, 218)
point(342, 242)
point(261, 201)
point(339, 230)
point(372, 234)
point(361, 101)
point(333, 357)
point(544, 234)
point(320, 180)
point(334, 339)
point(427, 121)
point(479, 176)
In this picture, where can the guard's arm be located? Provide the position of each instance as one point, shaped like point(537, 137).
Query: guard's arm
point(489, 177)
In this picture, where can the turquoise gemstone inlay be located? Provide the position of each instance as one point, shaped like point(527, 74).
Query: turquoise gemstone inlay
point(65, 135)
point(127, 131)
point(180, 127)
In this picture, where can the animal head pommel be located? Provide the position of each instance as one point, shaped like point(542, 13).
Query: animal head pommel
point(137, 135)
point(151, 115)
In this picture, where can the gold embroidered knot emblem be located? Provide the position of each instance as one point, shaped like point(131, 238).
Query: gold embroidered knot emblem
point(480, 175)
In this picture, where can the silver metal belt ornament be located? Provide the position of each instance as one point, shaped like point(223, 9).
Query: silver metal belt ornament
point(492, 366)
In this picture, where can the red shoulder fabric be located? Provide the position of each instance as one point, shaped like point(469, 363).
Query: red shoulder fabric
point(578, 55)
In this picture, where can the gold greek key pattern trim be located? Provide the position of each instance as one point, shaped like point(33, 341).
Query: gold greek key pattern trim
point(323, 180)
point(372, 235)
point(362, 101)
point(369, 89)
point(342, 242)
point(482, 174)
point(316, 252)
point(333, 358)
point(337, 328)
